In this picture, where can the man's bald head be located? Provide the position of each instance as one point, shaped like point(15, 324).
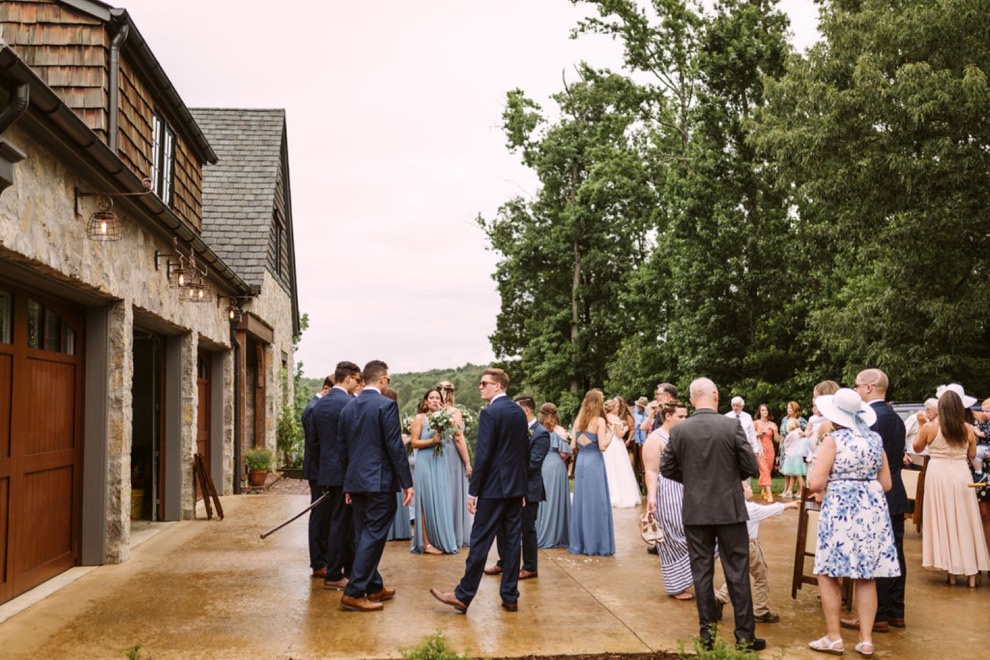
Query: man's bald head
point(704, 394)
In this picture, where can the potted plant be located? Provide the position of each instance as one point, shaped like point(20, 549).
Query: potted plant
point(259, 462)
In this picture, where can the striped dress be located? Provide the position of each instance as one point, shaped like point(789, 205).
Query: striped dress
point(675, 564)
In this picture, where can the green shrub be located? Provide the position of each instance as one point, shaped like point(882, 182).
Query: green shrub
point(259, 458)
point(433, 647)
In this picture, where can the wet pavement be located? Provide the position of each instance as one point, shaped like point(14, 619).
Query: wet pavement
point(214, 589)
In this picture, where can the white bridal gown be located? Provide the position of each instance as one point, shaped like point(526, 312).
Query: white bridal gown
point(623, 489)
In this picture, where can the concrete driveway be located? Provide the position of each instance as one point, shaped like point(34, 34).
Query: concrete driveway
point(216, 590)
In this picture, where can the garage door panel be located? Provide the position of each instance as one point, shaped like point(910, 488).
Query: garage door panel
point(6, 376)
point(45, 535)
point(51, 401)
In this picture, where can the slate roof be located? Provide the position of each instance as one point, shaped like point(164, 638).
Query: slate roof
point(239, 190)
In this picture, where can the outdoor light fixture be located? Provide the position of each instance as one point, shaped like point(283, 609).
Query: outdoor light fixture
point(235, 307)
point(104, 225)
point(196, 292)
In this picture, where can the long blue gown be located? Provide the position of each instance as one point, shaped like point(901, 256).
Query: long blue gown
point(432, 487)
point(458, 493)
point(553, 518)
point(401, 530)
point(591, 531)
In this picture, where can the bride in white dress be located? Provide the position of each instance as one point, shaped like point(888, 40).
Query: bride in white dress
point(623, 489)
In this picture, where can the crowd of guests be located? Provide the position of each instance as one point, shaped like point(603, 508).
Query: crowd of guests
point(852, 450)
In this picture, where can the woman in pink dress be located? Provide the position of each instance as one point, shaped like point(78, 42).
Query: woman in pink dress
point(766, 432)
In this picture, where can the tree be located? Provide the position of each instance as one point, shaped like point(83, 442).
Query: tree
point(881, 136)
point(567, 254)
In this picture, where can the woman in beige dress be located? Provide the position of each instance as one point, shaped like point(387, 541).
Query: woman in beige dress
point(952, 538)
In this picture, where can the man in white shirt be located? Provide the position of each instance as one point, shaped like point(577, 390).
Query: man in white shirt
point(912, 425)
point(746, 421)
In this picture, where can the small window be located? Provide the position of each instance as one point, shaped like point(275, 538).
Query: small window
point(277, 237)
point(48, 331)
point(162, 159)
point(6, 302)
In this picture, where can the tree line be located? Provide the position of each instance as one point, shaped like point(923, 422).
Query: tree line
point(725, 206)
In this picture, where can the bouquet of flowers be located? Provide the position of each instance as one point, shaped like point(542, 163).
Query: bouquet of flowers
point(407, 421)
point(441, 421)
point(470, 418)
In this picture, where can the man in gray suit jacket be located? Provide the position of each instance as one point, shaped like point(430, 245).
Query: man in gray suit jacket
point(710, 455)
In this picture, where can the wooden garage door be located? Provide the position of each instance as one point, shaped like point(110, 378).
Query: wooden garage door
point(40, 438)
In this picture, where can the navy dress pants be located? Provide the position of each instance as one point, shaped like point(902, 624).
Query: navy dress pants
point(502, 517)
point(373, 516)
point(319, 528)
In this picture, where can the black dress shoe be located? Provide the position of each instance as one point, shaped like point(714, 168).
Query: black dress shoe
point(769, 617)
point(755, 644)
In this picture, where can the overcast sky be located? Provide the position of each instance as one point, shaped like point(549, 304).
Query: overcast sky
point(394, 111)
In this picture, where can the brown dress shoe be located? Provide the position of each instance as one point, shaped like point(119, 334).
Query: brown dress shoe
point(896, 621)
point(493, 570)
point(384, 594)
point(526, 575)
point(510, 607)
point(359, 604)
point(337, 585)
point(320, 572)
point(853, 624)
point(769, 617)
point(448, 598)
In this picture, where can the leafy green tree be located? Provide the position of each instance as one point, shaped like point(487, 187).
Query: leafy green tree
point(882, 137)
point(567, 255)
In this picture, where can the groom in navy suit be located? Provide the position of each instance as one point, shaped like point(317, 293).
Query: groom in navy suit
point(376, 467)
point(339, 541)
point(496, 493)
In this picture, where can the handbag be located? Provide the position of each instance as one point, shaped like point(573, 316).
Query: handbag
point(650, 530)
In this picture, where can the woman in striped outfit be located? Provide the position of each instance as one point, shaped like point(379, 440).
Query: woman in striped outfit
point(665, 500)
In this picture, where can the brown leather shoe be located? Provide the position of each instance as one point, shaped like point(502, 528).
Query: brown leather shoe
point(493, 570)
point(510, 607)
point(769, 617)
point(320, 572)
point(527, 575)
point(853, 624)
point(448, 598)
point(359, 604)
point(337, 585)
point(896, 621)
point(384, 594)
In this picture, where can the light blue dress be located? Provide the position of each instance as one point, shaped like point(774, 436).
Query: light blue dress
point(554, 516)
point(432, 487)
point(458, 493)
point(591, 531)
point(855, 539)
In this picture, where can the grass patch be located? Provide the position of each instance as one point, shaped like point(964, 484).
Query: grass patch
point(433, 647)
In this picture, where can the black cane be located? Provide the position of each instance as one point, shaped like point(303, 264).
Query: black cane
point(298, 515)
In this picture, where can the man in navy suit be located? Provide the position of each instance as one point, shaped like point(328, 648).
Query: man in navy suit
point(539, 446)
point(496, 493)
point(326, 417)
point(872, 384)
point(376, 466)
point(319, 518)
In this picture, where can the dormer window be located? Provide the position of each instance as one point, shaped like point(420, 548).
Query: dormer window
point(162, 159)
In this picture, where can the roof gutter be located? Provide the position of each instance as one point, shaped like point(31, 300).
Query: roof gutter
point(114, 122)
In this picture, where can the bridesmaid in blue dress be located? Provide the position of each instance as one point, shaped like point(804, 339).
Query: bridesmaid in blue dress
point(553, 518)
point(434, 516)
point(591, 531)
point(459, 466)
point(400, 529)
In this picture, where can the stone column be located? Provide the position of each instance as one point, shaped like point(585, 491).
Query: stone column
point(120, 418)
point(190, 405)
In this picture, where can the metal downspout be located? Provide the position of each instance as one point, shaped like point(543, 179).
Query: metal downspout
point(114, 119)
point(20, 95)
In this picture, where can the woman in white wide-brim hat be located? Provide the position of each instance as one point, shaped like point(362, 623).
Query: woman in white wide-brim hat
point(952, 539)
point(855, 539)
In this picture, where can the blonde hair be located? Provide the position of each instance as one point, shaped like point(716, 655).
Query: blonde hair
point(793, 424)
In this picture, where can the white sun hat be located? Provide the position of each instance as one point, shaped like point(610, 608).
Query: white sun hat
point(967, 400)
point(844, 406)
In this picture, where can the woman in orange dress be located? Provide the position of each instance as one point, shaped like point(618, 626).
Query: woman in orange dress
point(766, 433)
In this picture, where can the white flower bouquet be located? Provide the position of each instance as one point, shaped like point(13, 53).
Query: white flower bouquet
point(441, 421)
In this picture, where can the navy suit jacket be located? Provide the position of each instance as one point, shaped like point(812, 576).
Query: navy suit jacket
point(374, 457)
point(710, 455)
point(326, 417)
point(539, 446)
point(311, 450)
point(890, 426)
point(501, 456)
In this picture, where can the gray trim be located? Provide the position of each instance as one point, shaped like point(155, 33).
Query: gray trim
point(96, 434)
point(217, 407)
point(172, 446)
